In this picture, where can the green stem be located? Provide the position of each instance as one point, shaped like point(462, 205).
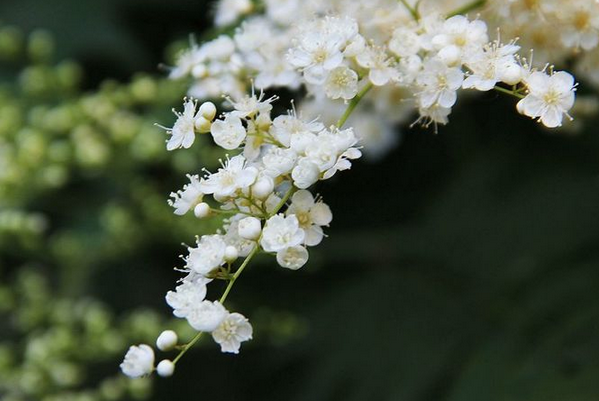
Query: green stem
point(352, 105)
point(509, 92)
point(412, 10)
point(467, 8)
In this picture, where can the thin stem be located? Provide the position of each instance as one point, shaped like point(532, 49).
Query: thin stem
point(509, 92)
point(352, 105)
point(282, 201)
point(412, 10)
point(465, 9)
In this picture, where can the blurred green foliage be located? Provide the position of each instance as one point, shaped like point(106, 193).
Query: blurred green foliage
point(463, 267)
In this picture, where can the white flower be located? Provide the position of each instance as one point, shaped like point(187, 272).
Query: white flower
point(285, 127)
point(208, 255)
point(228, 133)
point(233, 330)
point(278, 161)
point(316, 54)
point(233, 176)
point(186, 296)
point(280, 233)
point(405, 42)
point(342, 82)
point(381, 66)
point(582, 29)
point(311, 216)
point(183, 132)
point(188, 198)
point(549, 97)
point(439, 84)
point(206, 316)
point(292, 258)
point(139, 361)
point(494, 64)
point(305, 173)
point(461, 35)
point(251, 105)
point(434, 114)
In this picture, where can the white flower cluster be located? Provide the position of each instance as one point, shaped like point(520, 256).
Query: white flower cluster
point(264, 191)
point(558, 31)
point(405, 55)
point(336, 48)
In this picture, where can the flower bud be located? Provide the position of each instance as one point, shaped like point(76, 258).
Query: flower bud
point(201, 210)
point(165, 368)
point(250, 228)
point(231, 254)
point(202, 125)
point(166, 340)
point(208, 110)
point(263, 187)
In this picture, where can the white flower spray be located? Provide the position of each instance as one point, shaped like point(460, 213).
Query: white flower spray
point(264, 186)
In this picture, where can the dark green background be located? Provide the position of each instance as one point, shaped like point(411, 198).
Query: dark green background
point(463, 267)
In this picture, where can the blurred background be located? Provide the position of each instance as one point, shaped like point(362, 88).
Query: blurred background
point(462, 266)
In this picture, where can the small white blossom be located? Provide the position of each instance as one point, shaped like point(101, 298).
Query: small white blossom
point(139, 361)
point(305, 174)
point(188, 198)
point(285, 127)
point(280, 233)
point(233, 176)
point(186, 296)
point(207, 255)
point(183, 132)
point(381, 66)
point(292, 258)
point(311, 216)
point(206, 316)
point(549, 97)
point(439, 84)
point(233, 330)
point(278, 161)
point(228, 133)
point(342, 83)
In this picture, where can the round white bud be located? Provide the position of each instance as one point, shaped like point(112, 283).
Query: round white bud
point(208, 110)
point(165, 368)
point(202, 125)
point(512, 74)
point(250, 228)
point(231, 254)
point(263, 187)
point(201, 210)
point(167, 340)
